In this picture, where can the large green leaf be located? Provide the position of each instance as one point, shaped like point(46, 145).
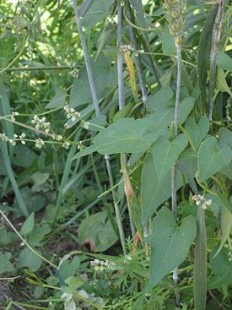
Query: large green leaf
point(196, 131)
point(154, 191)
point(211, 158)
point(125, 136)
point(105, 79)
point(221, 268)
point(163, 111)
point(165, 153)
point(169, 244)
point(97, 12)
point(98, 232)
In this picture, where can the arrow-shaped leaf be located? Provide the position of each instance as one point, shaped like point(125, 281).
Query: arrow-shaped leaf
point(169, 244)
point(211, 158)
point(165, 153)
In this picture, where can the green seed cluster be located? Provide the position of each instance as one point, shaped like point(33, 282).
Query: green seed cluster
point(174, 15)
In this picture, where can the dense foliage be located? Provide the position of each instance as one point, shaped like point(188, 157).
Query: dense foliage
point(116, 154)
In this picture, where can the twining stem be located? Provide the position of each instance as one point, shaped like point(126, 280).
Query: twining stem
point(137, 56)
point(26, 243)
point(174, 169)
point(97, 112)
point(121, 98)
point(217, 29)
point(87, 60)
point(116, 207)
point(121, 101)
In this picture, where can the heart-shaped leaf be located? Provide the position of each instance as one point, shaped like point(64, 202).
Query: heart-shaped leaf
point(154, 191)
point(165, 153)
point(211, 158)
point(125, 136)
point(97, 231)
point(196, 131)
point(169, 244)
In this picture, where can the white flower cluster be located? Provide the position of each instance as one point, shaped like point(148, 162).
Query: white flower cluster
point(71, 113)
point(41, 124)
point(101, 265)
point(127, 259)
point(201, 201)
point(4, 137)
point(228, 246)
point(13, 114)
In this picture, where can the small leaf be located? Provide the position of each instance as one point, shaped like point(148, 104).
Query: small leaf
point(226, 225)
point(211, 158)
point(97, 231)
point(222, 83)
point(165, 153)
point(154, 191)
point(125, 136)
point(168, 42)
point(5, 264)
point(196, 131)
point(29, 260)
point(58, 100)
point(28, 225)
point(169, 244)
point(224, 61)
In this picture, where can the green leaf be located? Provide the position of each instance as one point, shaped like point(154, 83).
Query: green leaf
point(211, 158)
point(226, 225)
point(97, 12)
point(160, 98)
point(29, 260)
point(28, 225)
point(5, 264)
point(69, 268)
point(23, 156)
point(125, 136)
point(98, 232)
point(204, 53)
point(168, 43)
point(165, 153)
point(169, 244)
point(221, 269)
point(58, 100)
point(34, 202)
point(225, 137)
point(222, 83)
point(196, 131)
point(224, 61)
point(105, 79)
point(154, 191)
point(163, 112)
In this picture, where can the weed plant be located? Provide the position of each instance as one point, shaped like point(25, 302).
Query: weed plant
point(116, 155)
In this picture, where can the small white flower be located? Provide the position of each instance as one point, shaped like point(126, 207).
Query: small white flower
point(39, 143)
point(66, 145)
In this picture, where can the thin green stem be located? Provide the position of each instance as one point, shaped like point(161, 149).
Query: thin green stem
point(121, 98)
point(137, 60)
point(26, 243)
point(116, 207)
point(87, 60)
